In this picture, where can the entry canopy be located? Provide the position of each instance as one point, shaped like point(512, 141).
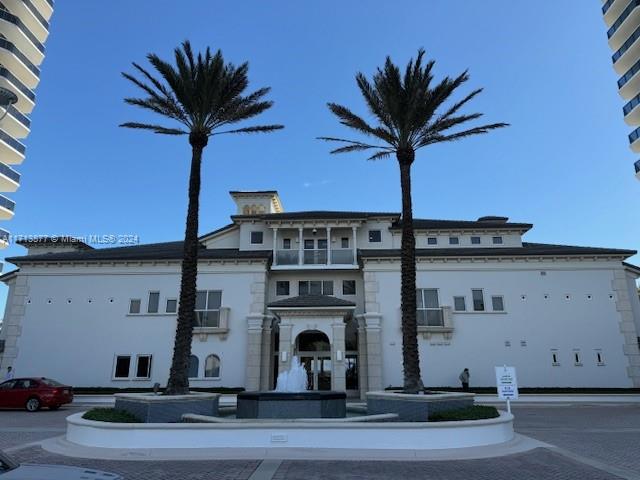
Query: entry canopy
point(311, 301)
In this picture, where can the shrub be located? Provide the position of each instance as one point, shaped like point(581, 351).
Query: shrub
point(475, 412)
point(110, 415)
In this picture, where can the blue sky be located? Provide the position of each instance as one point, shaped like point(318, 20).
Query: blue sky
point(564, 164)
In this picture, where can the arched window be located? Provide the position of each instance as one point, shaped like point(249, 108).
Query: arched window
point(193, 366)
point(212, 366)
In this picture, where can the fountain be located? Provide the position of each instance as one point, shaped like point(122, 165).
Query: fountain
point(291, 399)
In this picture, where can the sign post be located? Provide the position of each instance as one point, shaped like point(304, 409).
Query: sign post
point(507, 384)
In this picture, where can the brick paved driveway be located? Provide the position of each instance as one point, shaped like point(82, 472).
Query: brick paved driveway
point(594, 442)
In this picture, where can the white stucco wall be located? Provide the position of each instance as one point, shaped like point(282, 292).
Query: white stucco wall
point(478, 340)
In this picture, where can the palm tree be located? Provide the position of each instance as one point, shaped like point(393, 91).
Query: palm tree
point(409, 113)
point(201, 94)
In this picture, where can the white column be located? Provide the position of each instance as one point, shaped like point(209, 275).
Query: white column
point(300, 245)
point(275, 245)
point(338, 370)
point(354, 245)
point(328, 245)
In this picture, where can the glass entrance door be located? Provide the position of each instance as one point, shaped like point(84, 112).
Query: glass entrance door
point(318, 367)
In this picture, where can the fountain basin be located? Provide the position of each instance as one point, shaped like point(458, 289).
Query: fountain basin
point(310, 404)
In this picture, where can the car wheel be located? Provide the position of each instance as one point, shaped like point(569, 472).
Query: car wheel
point(54, 407)
point(33, 405)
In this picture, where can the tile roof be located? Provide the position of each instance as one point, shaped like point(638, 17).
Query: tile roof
point(310, 301)
point(317, 215)
point(491, 223)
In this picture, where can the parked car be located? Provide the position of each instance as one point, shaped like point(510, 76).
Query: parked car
point(12, 470)
point(34, 393)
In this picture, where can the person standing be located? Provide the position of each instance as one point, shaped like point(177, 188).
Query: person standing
point(9, 374)
point(464, 379)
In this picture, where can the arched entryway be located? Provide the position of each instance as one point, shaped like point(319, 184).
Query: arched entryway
point(314, 350)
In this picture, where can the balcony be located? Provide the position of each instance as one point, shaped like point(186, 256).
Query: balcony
point(629, 83)
point(45, 7)
point(15, 123)
point(9, 179)
point(624, 25)
point(12, 58)
point(11, 150)
point(26, 97)
point(315, 257)
point(212, 322)
point(634, 140)
point(435, 320)
point(4, 238)
point(637, 166)
point(612, 9)
point(31, 16)
point(17, 32)
point(631, 111)
point(7, 208)
point(627, 54)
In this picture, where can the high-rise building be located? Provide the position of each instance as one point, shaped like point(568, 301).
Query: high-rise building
point(623, 22)
point(24, 27)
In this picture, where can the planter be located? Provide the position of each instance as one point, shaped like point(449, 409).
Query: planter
point(416, 408)
point(152, 408)
point(292, 405)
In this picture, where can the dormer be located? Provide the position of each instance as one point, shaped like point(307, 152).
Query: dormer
point(257, 202)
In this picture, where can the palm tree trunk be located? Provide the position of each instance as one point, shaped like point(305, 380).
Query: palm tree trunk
point(410, 355)
point(178, 383)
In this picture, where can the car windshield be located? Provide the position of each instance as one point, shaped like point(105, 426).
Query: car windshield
point(50, 383)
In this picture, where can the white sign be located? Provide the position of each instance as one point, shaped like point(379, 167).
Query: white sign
point(507, 383)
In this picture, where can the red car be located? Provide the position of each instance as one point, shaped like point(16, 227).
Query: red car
point(34, 393)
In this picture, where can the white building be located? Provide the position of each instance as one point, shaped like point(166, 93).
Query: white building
point(326, 286)
point(24, 28)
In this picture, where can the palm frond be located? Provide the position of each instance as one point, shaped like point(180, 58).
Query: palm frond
point(255, 129)
point(155, 128)
point(380, 155)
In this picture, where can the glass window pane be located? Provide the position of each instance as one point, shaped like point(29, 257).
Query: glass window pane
point(422, 317)
point(475, 240)
point(497, 240)
point(344, 242)
point(315, 288)
point(256, 237)
point(143, 369)
point(434, 318)
point(134, 305)
point(308, 244)
point(327, 287)
point(322, 244)
point(172, 305)
point(431, 298)
point(478, 300)
point(154, 300)
point(193, 366)
point(215, 300)
point(348, 287)
point(201, 300)
point(375, 236)
point(303, 288)
point(212, 367)
point(497, 304)
point(286, 243)
point(122, 366)
point(419, 298)
point(432, 241)
point(282, 288)
point(454, 240)
point(459, 304)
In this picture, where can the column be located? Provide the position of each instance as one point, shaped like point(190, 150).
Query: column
point(300, 245)
point(267, 355)
point(254, 351)
point(363, 377)
point(354, 245)
point(374, 351)
point(328, 245)
point(275, 245)
point(338, 369)
point(286, 345)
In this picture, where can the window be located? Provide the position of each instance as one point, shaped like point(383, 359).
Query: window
point(475, 240)
point(375, 236)
point(309, 244)
point(577, 359)
point(454, 240)
point(172, 305)
point(212, 367)
point(286, 243)
point(497, 240)
point(599, 358)
point(344, 242)
point(497, 303)
point(282, 287)
point(459, 304)
point(256, 238)
point(193, 366)
point(315, 287)
point(432, 240)
point(123, 363)
point(154, 301)
point(208, 304)
point(143, 366)
point(348, 287)
point(478, 300)
point(134, 305)
point(554, 358)
point(429, 311)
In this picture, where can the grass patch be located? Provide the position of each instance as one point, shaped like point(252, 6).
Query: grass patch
point(475, 412)
point(110, 415)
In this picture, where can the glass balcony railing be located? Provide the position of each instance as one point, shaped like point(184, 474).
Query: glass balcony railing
point(36, 13)
point(6, 203)
point(12, 142)
point(9, 172)
point(7, 45)
point(630, 73)
point(17, 83)
point(633, 103)
point(626, 45)
point(287, 257)
point(637, 165)
point(633, 136)
point(342, 256)
point(315, 257)
point(5, 15)
point(623, 16)
point(22, 118)
point(430, 317)
point(607, 5)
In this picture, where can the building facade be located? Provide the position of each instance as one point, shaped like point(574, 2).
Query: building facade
point(622, 18)
point(325, 286)
point(24, 27)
